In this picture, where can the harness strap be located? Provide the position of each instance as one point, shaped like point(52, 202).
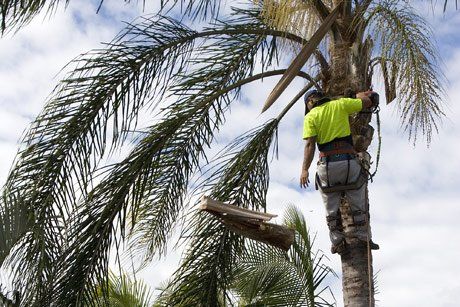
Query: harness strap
point(338, 151)
point(348, 172)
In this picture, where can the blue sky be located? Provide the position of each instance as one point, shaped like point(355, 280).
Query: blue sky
point(414, 198)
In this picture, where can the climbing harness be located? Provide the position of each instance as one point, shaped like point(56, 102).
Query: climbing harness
point(339, 150)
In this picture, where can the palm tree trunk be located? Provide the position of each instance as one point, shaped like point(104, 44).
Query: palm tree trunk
point(348, 73)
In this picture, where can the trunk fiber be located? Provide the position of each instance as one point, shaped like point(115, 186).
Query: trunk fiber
point(349, 74)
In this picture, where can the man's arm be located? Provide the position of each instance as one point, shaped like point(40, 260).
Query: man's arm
point(308, 154)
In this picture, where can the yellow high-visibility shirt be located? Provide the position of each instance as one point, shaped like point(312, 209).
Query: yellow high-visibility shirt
point(330, 120)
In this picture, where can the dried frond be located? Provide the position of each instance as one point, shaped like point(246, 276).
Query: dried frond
point(293, 16)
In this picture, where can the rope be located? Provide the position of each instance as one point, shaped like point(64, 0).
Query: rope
point(368, 250)
point(379, 146)
point(371, 176)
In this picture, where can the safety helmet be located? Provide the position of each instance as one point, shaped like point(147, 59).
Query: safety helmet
point(313, 92)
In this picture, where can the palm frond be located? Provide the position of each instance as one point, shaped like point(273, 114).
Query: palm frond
point(14, 14)
point(152, 181)
point(125, 291)
point(17, 13)
point(67, 140)
point(242, 178)
point(406, 40)
point(14, 223)
point(265, 276)
point(308, 263)
point(195, 9)
point(292, 16)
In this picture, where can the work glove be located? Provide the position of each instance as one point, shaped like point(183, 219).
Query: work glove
point(374, 97)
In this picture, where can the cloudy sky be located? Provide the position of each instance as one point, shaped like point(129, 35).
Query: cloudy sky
point(414, 198)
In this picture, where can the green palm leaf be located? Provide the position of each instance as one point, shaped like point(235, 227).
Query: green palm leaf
point(406, 46)
point(205, 273)
point(67, 140)
point(15, 14)
point(270, 277)
point(125, 292)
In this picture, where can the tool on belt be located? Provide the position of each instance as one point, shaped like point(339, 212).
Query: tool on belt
point(340, 149)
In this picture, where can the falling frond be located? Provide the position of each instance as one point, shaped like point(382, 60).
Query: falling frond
point(406, 44)
point(240, 177)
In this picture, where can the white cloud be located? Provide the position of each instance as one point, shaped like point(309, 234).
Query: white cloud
point(413, 199)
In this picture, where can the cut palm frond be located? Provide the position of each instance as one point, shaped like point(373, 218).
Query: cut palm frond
point(406, 46)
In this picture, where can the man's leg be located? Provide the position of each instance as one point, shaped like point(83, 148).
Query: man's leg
point(359, 205)
point(332, 205)
point(359, 212)
point(333, 217)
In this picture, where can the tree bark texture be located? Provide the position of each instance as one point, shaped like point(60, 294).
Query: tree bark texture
point(272, 234)
point(349, 73)
point(250, 224)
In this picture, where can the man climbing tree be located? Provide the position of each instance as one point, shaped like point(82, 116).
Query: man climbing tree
point(339, 174)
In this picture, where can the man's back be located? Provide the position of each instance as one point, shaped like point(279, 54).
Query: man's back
point(329, 121)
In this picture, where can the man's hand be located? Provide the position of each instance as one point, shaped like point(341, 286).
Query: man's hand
point(366, 98)
point(304, 181)
point(308, 154)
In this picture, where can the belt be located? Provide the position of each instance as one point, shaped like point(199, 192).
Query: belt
point(337, 151)
point(337, 157)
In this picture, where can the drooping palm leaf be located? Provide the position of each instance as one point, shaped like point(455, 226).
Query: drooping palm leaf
point(15, 14)
point(406, 46)
point(70, 136)
point(205, 273)
point(153, 179)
